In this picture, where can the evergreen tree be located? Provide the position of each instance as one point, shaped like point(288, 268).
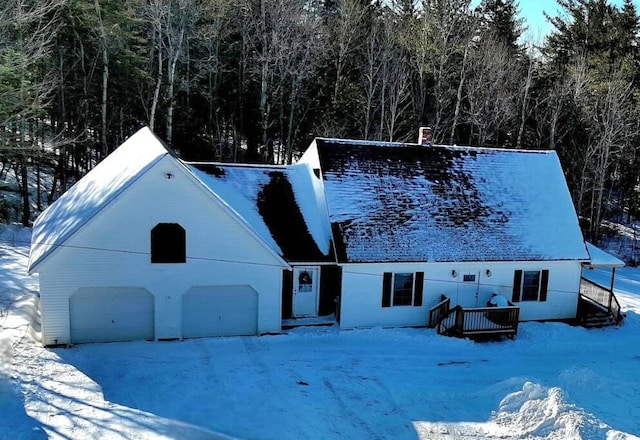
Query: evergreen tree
point(499, 21)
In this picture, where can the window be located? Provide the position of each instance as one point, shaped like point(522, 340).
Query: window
point(305, 281)
point(530, 285)
point(469, 278)
point(168, 243)
point(402, 289)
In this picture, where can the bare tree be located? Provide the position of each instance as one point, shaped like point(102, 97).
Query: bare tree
point(348, 33)
point(397, 81)
point(210, 67)
point(27, 29)
point(370, 76)
point(613, 114)
point(173, 24)
point(444, 31)
point(105, 77)
point(491, 91)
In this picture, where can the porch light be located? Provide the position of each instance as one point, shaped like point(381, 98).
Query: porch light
point(454, 273)
point(488, 272)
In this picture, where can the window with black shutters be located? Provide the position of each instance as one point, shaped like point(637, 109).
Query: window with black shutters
point(168, 243)
point(402, 289)
point(530, 285)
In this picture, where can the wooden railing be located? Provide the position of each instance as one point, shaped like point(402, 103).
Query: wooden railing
point(602, 296)
point(439, 311)
point(483, 321)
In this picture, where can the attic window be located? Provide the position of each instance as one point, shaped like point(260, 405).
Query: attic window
point(168, 243)
point(469, 278)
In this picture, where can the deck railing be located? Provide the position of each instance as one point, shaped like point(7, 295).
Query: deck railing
point(439, 311)
point(602, 296)
point(483, 321)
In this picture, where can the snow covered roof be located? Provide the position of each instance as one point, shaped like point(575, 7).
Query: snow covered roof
point(600, 258)
point(391, 202)
point(278, 202)
point(93, 192)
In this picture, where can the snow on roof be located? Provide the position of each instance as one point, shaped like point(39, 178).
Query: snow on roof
point(414, 203)
point(93, 192)
point(600, 258)
point(279, 203)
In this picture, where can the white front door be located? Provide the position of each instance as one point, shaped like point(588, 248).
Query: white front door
point(468, 289)
point(305, 291)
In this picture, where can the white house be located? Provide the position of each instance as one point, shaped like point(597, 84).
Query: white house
point(414, 222)
point(147, 246)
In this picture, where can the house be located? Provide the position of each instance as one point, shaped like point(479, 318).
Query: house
point(147, 246)
point(412, 223)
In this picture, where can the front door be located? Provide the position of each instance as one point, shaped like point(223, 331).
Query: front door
point(305, 291)
point(468, 289)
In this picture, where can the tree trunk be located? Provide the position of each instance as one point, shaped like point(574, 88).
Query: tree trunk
point(171, 79)
point(456, 112)
point(525, 99)
point(105, 81)
point(156, 92)
point(26, 205)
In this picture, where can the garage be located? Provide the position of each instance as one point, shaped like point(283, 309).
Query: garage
point(104, 314)
point(219, 311)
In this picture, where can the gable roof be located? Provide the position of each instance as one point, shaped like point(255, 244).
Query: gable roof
point(391, 202)
point(278, 202)
point(93, 192)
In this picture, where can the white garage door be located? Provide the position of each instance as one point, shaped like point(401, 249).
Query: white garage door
point(219, 311)
point(107, 314)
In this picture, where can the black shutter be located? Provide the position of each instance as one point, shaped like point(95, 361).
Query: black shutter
point(386, 289)
point(544, 284)
point(417, 300)
point(517, 282)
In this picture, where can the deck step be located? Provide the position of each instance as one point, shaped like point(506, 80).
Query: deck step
point(599, 320)
point(595, 315)
point(315, 321)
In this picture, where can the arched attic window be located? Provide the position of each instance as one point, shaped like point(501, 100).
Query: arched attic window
point(168, 243)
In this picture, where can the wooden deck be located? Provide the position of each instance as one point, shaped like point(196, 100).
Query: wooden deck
point(475, 322)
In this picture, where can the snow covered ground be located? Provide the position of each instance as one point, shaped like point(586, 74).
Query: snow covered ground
point(553, 381)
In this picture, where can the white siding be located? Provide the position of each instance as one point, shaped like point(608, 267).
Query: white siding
point(362, 291)
point(113, 250)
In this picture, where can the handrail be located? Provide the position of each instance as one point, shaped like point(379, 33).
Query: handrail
point(616, 310)
point(602, 296)
point(438, 312)
point(477, 321)
point(488, 319)
point(447, 322)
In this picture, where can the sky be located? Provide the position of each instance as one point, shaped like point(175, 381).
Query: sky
point(552, 381)
point(532, 11)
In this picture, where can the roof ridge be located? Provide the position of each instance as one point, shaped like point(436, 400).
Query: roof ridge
point(377, 143)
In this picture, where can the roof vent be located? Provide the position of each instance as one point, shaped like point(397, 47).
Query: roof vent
point(424, 136)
